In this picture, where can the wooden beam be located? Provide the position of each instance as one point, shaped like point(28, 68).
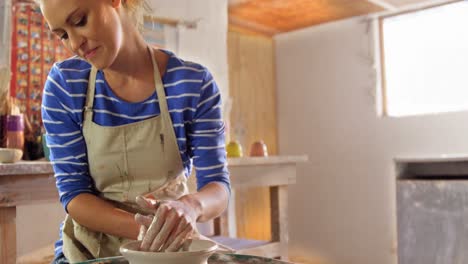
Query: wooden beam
point(383, 4)
point(236, 23)
point(271, 17)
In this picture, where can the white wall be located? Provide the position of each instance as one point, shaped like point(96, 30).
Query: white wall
point(207, 43)
point(5, 27)
point(38, 224)
point(343, 206)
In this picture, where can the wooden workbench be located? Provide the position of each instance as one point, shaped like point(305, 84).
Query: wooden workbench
point(21, 183)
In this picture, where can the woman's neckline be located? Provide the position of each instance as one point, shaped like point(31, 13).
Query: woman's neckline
point(163, 80)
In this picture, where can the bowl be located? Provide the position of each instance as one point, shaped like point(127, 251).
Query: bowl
point(198, 253)
point(10, 155)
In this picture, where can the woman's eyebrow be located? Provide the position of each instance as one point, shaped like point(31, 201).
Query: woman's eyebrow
point(67, 21)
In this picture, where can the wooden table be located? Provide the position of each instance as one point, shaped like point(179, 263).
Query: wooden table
point(25, 183)
point(275, 172)
point(20, 184)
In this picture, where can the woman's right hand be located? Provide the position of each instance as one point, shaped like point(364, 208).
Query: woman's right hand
point(169, 228)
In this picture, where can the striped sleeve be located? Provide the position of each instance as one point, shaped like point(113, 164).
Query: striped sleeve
point(65, 139)
point(206, 137)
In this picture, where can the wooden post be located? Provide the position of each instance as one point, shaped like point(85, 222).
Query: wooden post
point(221, 225)
point(8, 235)
point(225, 224)
point(279, 218)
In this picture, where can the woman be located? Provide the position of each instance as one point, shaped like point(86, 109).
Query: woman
point(124, 122)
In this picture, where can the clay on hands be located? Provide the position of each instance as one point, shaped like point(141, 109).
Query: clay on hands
point(169, 229)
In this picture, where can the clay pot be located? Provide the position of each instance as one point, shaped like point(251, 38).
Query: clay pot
point(258, 149)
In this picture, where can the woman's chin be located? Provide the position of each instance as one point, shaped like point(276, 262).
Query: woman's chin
point(98, 64)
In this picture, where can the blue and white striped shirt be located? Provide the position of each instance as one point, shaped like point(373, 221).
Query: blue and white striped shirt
point(194, 104)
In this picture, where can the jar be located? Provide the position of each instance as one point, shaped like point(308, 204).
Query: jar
point(15, 131)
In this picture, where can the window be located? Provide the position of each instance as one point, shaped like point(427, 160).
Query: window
point(425, 60)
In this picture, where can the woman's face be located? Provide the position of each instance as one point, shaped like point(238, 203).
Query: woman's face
point(91, 29)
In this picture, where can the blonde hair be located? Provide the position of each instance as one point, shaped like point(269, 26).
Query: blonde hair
point(137, 8)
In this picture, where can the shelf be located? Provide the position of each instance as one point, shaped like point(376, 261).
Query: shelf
point(26, 168)
point(271, 160)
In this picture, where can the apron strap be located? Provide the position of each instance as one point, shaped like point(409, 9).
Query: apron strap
point(170, 136)
point(163, 108)
point(161, 95)
point(88, 109)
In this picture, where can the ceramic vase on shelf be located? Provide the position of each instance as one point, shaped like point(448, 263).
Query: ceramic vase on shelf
point(258, 149)
point(234, 149)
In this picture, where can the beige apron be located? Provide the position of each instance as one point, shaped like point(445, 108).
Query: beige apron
point(140, 158)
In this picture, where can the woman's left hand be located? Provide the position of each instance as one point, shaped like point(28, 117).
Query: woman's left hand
point(171, 226)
